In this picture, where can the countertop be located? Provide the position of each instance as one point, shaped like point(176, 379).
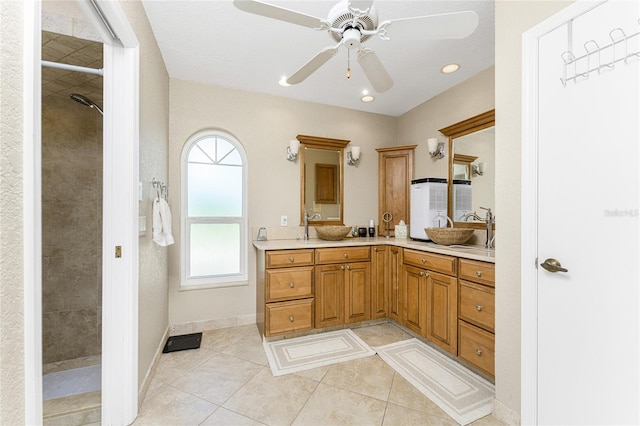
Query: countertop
point(467, 252)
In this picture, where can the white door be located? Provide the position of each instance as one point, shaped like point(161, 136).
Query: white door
point(587, 356)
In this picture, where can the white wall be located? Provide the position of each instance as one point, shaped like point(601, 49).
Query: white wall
point(471, 97)
point(11, 210)
point(264, 124)
point(512, 19)
point(153, 317)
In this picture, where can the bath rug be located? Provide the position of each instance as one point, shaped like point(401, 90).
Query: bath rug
point(71, 382)
point(459, 392)
point(317, 350)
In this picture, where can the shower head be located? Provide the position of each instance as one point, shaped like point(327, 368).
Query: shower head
point(85, 101)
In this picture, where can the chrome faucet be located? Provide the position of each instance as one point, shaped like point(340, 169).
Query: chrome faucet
point(306, 222)
point(489, 219)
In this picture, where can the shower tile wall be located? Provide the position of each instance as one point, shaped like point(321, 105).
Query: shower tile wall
point(71, 212)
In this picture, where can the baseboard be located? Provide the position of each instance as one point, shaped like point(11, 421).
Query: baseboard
point(505, 414)
point(144, 388)
point(198, 326)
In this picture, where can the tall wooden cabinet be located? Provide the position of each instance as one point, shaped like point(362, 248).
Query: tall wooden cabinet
point(395, 171)
point(395, 288)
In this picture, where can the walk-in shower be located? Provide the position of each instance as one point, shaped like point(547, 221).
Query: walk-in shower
point(72, 155)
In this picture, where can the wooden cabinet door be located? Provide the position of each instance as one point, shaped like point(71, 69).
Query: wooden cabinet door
point(442, 311)
point(357, 285)
point(414, 300)
point(380, 281)
point(395, 171)
point(329, 295)
point(395, 274)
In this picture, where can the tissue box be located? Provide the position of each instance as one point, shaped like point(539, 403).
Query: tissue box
point(401, 231)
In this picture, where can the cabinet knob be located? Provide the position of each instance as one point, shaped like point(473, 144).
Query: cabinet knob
point(291, 319)
point(424, 260)
point(291, 285)
point(479, 352)
point(478, 308)
point(291, 259)
point(375, 249)
point(345, 255)
point(479, 273)
point(348, 267)
point(342, 267)
point(421, 273)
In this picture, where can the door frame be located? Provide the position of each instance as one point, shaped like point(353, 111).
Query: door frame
point(120, 211)
point(529, 205)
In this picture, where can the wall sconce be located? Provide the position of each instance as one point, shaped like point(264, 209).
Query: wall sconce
point(353, 156)
point(436, 148)
point(479, 169)
point(292, 150)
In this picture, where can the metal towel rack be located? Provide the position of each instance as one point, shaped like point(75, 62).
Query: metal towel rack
point(162, 191)
point(579, 68)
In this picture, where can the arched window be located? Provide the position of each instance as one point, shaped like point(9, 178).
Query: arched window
point(214, 211)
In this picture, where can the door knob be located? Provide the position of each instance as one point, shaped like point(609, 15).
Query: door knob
point(553, 265)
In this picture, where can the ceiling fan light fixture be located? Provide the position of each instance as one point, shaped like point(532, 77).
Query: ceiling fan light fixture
point(367, 98)
point(448, 69)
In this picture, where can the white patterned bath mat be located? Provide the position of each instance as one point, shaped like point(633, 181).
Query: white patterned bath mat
point(460, 393)
point(317, 350)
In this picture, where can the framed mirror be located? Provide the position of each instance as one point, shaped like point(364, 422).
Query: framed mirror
point(322, 180)
point(471, 168)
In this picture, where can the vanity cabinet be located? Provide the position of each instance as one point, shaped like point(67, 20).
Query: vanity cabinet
point(287, 288)
point(430, 297)
point(476, 320)
point(342, 286)
point(395, 287)
point(380, 280)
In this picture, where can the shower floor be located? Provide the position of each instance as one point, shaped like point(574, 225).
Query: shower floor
point(71, 392)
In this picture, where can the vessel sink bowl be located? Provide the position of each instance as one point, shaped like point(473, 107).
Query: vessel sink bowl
point(332, 232)
point(449, 236)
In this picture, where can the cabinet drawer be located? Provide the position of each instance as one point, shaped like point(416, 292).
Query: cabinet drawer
point(430, 261)
point(477, 304)
point(343, 254)
point(479, 272)
point(476, 346)
point(287, 317)
point(289, 283)
point(285, 258)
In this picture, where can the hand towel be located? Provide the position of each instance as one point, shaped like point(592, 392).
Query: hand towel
point(162, 223)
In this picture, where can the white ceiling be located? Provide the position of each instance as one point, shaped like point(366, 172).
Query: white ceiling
point(213, 42)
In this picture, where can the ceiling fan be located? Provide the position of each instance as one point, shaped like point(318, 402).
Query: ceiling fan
point(352, 22)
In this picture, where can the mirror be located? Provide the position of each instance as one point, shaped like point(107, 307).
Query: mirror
point(322, 179)
point(471, 168)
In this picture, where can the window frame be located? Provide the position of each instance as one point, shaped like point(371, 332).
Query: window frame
point(217, 281)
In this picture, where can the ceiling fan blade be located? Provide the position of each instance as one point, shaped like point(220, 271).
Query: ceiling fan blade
point(374, 70)
point(359, 6)
point(312, 66)
point(280, 13)
point(432, 27)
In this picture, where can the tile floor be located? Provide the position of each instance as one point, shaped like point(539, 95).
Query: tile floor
point(228, 382)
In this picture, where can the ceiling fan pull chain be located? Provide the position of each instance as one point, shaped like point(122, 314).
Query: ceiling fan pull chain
point(348, 63)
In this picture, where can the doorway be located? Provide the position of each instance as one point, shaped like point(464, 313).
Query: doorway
point(119, 221)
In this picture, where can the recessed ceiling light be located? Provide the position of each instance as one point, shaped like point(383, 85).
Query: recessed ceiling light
point(448, 69)
point(283, 82)
point(367, 98)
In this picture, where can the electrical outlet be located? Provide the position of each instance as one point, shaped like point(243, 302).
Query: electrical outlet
point(283, 221)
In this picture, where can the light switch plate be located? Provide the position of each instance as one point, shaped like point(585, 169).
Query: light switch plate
point(283, 221)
